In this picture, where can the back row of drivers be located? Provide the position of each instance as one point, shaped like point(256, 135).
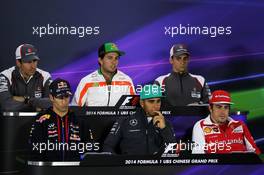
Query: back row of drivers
point(24, 87)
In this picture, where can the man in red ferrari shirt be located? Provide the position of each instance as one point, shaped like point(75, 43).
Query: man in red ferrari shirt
point(218, 133)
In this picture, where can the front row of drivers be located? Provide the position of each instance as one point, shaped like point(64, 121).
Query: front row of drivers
point(57, 133)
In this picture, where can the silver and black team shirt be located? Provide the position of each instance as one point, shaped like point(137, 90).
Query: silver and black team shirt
point(13, 84)
point(183, 89)
point(134, 135)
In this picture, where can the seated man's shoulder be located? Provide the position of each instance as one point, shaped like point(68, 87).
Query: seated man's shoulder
point(93, 76)
point(124, 121)
point(73, 116)
point(8, 72)
point(42, 117)
point(135, 118)
point(122, 75)
point(162, 77)
point(200, 123)
point(43, 73)
point(199, 77)
point(236, 123)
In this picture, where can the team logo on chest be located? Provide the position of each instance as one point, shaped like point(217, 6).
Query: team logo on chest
point(51, 126)
point(43, 118)
point(195, 93)
point(211, 130)
point(215, 129)
point(238, 129)
point(52, 130)
point(207, 130)
point(38, 92)
point(133, 122)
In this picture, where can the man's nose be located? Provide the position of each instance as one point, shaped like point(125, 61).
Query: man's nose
point(65, 100)
point(114, 60)
point(156, 106)
point(33, 65)
point(182, 60)
point(222, 110)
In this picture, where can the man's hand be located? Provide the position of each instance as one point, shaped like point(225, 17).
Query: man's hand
point(158, 120)
point(19, 98)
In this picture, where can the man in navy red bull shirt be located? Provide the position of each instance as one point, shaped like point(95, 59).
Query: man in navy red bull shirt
point(57, 130)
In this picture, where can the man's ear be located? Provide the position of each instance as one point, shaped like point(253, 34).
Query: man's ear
point(100, 60)
point(171, 60)
point(51, 97)
point(210, 107)
point(141, 103)
point(18, 63)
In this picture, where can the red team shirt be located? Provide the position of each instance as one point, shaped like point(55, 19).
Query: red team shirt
point(230, 138)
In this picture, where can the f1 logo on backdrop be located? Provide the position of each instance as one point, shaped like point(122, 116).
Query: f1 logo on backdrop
point(128, 100)
point(171, 150)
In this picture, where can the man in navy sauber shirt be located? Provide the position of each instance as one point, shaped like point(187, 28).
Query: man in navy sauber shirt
point(181, 87)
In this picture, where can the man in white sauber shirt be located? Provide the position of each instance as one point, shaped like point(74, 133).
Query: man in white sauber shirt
point(105, 86)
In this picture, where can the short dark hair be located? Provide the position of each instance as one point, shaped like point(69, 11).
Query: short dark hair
point(102, 55)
